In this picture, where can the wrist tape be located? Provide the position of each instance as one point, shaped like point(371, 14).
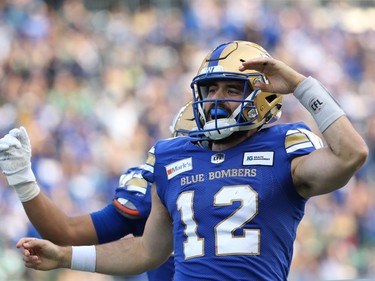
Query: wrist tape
point(83, 258)
point(27, 191)
point(318, 101)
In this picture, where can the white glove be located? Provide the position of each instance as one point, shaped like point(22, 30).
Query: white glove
point(15, 160)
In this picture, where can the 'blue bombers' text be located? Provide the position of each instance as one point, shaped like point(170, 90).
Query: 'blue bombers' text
point(218, 175)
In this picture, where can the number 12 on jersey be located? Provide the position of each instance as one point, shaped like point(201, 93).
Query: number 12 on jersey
point(226, 243)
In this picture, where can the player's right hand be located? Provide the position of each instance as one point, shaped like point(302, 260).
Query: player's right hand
point(282, 78)
point(44, 255)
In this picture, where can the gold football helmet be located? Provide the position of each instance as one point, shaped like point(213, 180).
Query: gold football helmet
point(184, 121)
point(255, 109)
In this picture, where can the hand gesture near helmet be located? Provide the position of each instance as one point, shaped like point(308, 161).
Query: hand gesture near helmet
point(346, 151)
point(282, 78)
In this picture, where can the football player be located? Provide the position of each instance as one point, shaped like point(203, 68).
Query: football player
point(126, 215)
point(230, 210)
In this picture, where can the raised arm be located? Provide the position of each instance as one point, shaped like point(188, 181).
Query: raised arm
point(331, 167)
point(328, 168)
point(127, 256)
point(51, 222)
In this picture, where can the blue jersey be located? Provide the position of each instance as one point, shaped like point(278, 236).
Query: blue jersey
point(235, 212)
point(110, 224)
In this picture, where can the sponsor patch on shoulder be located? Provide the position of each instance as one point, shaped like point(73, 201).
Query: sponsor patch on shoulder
point(179, 167)
point(264, 158)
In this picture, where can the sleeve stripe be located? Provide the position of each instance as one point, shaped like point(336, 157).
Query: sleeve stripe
point(291, 132)
point(299, 146)
point(301, 139)
point(136, 188)
point(316, 141)
point(148, 167)
point(138, 182)
point(150, 159)
point(295, 139)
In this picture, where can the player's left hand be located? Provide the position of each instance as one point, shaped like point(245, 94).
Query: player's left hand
point(282, 78)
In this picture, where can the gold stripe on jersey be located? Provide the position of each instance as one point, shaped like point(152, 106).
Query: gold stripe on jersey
point(150, 159)
point(137, 182)
point(295, 138)
point(301, 139)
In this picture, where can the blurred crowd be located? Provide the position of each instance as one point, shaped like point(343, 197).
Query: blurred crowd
point(97, 84)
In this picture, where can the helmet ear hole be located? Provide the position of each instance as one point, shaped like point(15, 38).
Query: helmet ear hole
point(271, 98)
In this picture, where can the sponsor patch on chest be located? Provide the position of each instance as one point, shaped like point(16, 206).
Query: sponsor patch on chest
point(179, 167)
point(264, 158)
